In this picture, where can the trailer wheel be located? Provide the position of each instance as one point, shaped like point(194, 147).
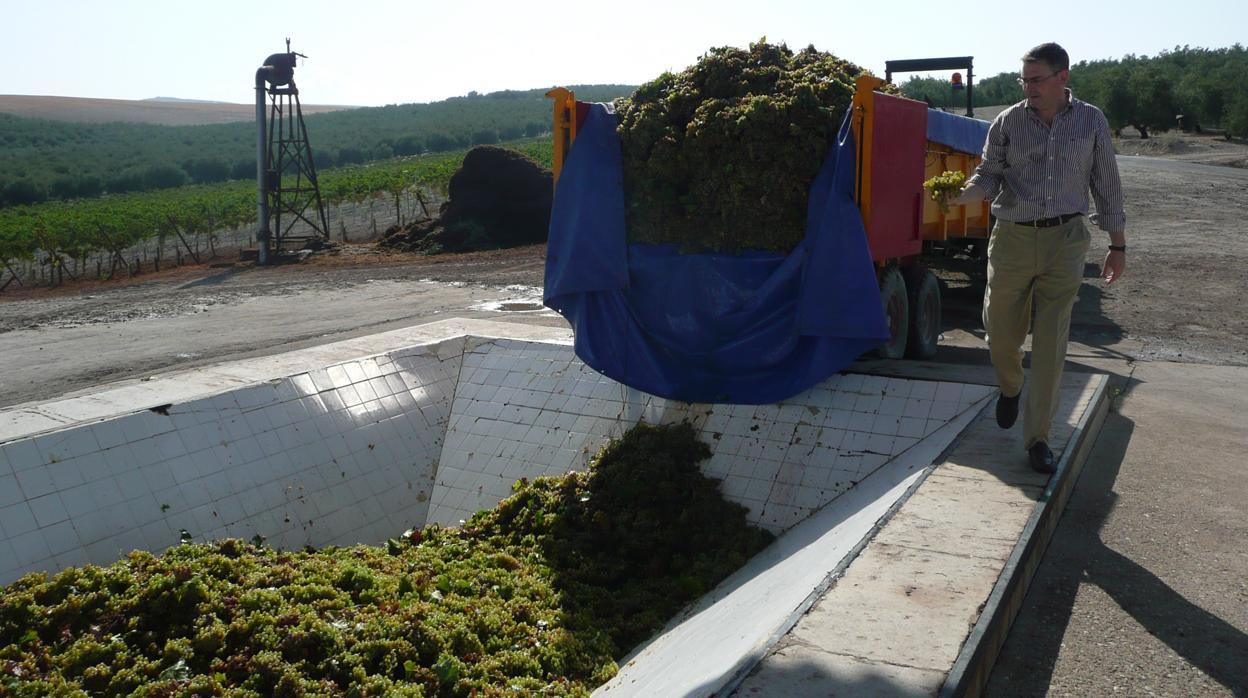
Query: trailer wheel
point(896, 313)
point(923, 293)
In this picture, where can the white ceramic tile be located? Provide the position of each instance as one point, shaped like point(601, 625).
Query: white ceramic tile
point(9, 491)
point(157, 535)
point(48, 510)
point(358, 371)
point(67, 444)
point(897, 387)
point(112, 548)
point(250, 398)
point(158, 477)
point(73, 557)
point(8, 560)
point(142, 453)
point(67, 473)
point(30, 547)
point(210, 460)
point(17, 519)
point(35, 482)
point(60, 537)
point(924, 390)
point(944, 410)
point(909, 427)
point(143, 507)
point(22, 455)
point(109, 433)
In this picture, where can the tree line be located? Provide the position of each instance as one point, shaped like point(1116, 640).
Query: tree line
point(1189, 88)
point(1206, 87)
point(42, 160)
point(996, 90)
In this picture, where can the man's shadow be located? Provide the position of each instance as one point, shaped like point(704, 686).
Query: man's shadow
point(1077, 555)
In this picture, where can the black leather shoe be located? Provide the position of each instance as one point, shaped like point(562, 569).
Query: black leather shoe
point(1041, 457)
point(1007, 410)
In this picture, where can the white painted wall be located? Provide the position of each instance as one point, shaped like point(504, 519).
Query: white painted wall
point(338, 455)
point(527, 409)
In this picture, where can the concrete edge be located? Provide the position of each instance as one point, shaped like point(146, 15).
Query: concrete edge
point(979, 653)
point(748, 664)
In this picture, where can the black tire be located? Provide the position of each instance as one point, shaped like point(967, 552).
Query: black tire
point(896, 313)
point(923, 294)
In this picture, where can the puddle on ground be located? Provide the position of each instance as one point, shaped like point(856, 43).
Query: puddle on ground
point(520, 306)
point(512, 305)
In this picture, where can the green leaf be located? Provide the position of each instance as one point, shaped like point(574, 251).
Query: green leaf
point(178, 671)
point(447, 669)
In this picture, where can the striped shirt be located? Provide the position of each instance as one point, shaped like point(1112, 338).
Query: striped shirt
point(1036, 170)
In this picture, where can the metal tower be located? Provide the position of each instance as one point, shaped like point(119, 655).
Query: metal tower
point(286, 172)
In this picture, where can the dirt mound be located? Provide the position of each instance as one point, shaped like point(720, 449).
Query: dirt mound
point(498, 198)
point(1158, 145)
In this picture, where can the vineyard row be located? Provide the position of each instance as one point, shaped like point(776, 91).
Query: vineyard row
point(59, 237)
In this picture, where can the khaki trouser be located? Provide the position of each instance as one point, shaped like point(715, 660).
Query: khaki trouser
point(1045, 264)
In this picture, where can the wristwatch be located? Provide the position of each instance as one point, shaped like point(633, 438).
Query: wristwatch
point(1117, 248)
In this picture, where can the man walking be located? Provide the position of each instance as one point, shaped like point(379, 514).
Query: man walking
point(1041, 158)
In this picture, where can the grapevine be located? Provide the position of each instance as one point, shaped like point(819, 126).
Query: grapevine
point(55, 231)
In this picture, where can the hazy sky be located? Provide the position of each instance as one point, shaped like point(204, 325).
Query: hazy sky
point(372, 53)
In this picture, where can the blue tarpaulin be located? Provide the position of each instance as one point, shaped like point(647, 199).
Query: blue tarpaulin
point(962, 133)
point(752, 328)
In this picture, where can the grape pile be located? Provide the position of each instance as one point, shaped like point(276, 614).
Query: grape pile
point(721, 156)
point(945, 186)
point(538, 596)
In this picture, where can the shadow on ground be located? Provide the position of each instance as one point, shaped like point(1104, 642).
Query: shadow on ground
point(1078, 556)
point(785, 679)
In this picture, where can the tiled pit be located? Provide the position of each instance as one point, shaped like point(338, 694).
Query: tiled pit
point(321, 446)
point(359, 449)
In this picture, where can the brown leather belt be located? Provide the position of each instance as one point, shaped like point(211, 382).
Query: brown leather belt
point(1049, 222)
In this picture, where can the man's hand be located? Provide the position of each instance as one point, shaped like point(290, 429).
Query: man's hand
point(1114, 266)
point(968, 195)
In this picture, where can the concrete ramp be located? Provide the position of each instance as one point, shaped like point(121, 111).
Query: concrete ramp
point(715, 642)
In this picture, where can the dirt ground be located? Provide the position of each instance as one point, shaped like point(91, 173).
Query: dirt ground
point(1208, 149)
point(1181, 298)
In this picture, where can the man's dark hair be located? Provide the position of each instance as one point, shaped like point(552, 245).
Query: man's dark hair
point(1052, 54)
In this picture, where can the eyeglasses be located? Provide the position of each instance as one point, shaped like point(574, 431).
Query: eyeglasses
point(1036, 81)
